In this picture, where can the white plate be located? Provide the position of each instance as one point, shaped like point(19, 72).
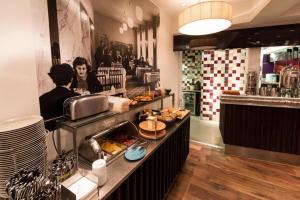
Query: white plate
point(27, 131)
point(29, 144)
point(20, 130)
point(22, 141)
point(19, 122)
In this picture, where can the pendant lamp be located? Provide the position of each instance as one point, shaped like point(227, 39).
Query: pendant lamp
point(205, 18)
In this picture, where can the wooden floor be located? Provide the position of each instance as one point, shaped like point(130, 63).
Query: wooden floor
point(210, 175)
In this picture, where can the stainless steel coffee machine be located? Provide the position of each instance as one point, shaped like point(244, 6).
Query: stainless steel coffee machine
point(290, 82)
point(251, 83)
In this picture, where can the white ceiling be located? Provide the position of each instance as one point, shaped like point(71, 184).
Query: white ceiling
point(247, 13)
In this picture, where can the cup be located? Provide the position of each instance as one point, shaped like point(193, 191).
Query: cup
point(99, 170)
point(167, 91)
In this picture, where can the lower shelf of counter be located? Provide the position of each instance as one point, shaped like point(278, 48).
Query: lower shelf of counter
point(151, 177)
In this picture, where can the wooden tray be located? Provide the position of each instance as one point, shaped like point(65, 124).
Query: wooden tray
point(159, 126)
point(184, 113)
point(151, 135)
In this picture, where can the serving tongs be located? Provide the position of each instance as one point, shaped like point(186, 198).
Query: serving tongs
point(139, 144)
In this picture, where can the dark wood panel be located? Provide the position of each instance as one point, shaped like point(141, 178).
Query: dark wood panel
point(246, 38)
point(267, 128)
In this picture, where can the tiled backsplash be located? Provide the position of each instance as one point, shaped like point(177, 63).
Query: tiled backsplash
point(191, 68)
point(217, 70)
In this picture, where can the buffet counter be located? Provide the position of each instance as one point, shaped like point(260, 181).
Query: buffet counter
point(261, 127)
point(256, 100)
point(148, 178)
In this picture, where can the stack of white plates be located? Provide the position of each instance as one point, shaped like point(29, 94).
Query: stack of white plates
point(22, 146)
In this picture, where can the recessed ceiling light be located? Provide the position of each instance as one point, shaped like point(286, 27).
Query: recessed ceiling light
point(130, 22)
point(84, 16)
point(121, 30)
point(124, 26)
point(139, 13)
point(92, 27)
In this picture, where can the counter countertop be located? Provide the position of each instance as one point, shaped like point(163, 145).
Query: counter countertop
point(191, 90)
point(256, 100)
point(119, 170)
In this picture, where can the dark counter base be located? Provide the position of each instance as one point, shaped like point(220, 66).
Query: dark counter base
point(152, 180)
point(266, 128)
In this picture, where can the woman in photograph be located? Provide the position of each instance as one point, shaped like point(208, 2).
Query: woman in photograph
point(85, 80)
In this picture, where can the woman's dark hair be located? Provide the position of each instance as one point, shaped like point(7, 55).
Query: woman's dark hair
point(81, 61)
point(61, 74)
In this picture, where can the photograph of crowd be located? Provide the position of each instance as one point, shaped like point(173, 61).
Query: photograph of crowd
point(99, 46)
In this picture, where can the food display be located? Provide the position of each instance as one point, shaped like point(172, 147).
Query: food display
point(112, 147)
point(142, 98)
point(132, 102)
point(171, 114)
point(127, 140)
point(159, 126)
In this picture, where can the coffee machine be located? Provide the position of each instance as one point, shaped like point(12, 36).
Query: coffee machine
point(290, 76)
point(251, 83)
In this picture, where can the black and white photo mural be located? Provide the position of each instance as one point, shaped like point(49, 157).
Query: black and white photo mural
point(107, 46)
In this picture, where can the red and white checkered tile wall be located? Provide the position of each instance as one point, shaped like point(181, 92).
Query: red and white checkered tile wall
point(218, 70)
point(222, 70)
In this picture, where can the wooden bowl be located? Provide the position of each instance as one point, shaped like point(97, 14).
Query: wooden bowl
point(151, 135)
point(159, 126)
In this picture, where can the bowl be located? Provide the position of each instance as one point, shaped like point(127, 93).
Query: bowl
point(168, 91)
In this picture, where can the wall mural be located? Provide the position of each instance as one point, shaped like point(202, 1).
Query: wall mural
point(99, 46)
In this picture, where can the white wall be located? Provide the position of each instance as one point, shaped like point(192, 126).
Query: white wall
point(18, 79)
point(167, 60)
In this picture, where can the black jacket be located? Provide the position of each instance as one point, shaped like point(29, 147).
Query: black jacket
point(92, 82)
point(51, 103)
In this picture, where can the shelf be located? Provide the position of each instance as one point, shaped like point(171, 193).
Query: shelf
point(189, 101)
point(102, 116)
point(270, 83)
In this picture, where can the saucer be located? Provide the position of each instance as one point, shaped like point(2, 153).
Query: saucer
point(134, 154)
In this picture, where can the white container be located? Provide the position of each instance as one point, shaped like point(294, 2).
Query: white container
point(118, 104)
point(99, 170)
point(271, 78)
point(151, 122)
point(82, 188)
